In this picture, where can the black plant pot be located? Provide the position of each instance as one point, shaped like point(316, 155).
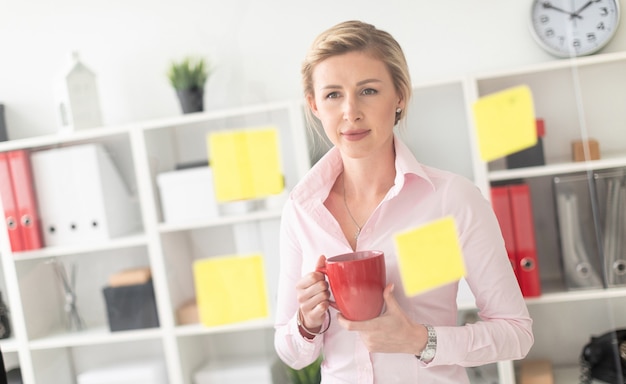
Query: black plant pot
point(191, 100)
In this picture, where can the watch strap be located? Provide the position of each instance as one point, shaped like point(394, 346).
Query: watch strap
point(431, 345)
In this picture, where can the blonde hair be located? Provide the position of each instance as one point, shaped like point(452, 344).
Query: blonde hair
point(351, 36)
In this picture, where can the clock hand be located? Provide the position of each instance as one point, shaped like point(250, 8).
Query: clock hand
point(548, 5)
point(577, 13)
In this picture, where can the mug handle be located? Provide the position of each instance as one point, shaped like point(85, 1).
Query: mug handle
point(322, 269)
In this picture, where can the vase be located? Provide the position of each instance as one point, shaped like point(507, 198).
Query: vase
point(191, 100)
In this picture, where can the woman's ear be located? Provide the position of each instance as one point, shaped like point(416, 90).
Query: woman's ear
point(401, 104)
point(310, 100)
point(399, 111)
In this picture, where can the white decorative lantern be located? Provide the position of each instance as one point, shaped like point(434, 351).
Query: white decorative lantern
point(79, 104)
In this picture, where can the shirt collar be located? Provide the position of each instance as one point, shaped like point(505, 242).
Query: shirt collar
point(407, 165)
point(316, 184)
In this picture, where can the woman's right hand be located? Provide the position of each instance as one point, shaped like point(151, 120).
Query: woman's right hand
point(313, 295)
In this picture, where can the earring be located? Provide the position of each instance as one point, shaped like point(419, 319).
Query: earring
point(398, 110)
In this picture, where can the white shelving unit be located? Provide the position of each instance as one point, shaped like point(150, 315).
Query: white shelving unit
point(41, 344)
point(574, 96)
point(578, 99)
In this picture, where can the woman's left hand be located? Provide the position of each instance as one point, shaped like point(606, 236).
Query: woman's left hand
point(391, 332)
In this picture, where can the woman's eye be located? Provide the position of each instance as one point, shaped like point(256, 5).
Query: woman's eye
point(369, 91)
point(332, 95)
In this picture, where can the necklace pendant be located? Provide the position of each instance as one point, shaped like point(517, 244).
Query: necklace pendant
point(357, 233)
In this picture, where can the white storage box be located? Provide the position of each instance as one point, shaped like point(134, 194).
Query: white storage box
point(237, 207)
point(258, 370)
point(142, 371)
point(82, 196)
point(187, 195)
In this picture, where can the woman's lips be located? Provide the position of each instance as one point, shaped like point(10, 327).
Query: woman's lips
point(355, 135)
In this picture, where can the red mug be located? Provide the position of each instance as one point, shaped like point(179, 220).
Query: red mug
point(357, 281)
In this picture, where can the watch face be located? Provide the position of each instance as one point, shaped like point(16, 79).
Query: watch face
point(567, 28)
point(428, 354)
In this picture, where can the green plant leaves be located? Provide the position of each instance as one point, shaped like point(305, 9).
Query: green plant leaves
point(189, 73)
point(310, 374)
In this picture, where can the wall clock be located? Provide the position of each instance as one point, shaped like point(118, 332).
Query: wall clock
point(570, 28)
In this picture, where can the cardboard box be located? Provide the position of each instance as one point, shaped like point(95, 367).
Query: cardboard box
point(131, 307)
point(585, 150)
point(187, 195)
point(131, 276)
point(187, 313)
point(151, 371)
point(536, 372)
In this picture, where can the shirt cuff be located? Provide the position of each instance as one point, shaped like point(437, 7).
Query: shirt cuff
point(301, 340)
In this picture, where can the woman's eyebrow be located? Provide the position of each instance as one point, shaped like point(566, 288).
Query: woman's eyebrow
point(360, 83)
point(368, 81)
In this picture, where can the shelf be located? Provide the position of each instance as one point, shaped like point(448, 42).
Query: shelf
point(200, 117)
point(8, 345)
point(556, 168)
point(96, 133)
point(94, 336)
point(222, 220)
point(554, 292)
point(199, 329)
point(568, 375)
point(548, 66)
point(92, 134)
point(114, 244)
point(577, 295)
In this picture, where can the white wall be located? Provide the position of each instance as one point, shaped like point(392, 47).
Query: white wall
point(257, 46)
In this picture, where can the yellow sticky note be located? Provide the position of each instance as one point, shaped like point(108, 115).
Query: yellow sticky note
point(230, 289)
point(245, 164)
point(429, 256)
point(505, 122)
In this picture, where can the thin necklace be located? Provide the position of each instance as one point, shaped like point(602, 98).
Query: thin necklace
point(345, 202)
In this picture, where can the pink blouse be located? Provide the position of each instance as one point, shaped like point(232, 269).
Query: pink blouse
point(421, 194)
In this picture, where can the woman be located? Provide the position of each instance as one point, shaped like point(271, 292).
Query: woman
point(364, 190)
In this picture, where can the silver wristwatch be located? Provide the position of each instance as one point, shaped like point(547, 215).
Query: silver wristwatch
point(431, 345)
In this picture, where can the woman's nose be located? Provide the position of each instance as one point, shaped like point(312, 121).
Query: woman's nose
point(351, 110)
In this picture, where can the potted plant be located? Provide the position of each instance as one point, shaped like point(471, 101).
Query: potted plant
point(188, 78)
point(310, 374)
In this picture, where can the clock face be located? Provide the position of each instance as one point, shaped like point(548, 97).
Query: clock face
point(567, 28)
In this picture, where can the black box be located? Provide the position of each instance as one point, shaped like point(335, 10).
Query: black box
point(4, 135)
point(14, 376)
point(529, 157)
point(131, 307)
